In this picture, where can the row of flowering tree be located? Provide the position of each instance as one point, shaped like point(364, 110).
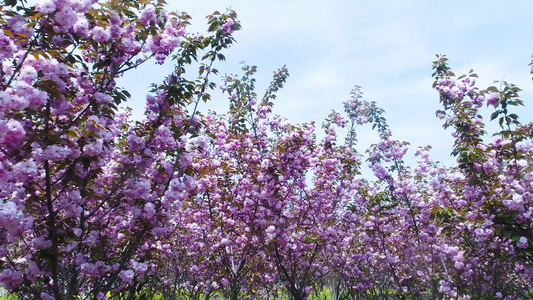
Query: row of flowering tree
point(242, 205)
point(274, 207)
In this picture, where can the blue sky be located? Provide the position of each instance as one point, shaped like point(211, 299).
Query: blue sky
point(386, 47)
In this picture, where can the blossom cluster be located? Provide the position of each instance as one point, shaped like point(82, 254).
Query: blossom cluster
point(245, 204)
point(276, 206)
point(86, 195)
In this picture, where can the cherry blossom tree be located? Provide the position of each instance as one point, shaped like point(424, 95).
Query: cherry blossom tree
point(88, 195)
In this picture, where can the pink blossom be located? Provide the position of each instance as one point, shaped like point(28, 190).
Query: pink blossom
point(41, 242)
point(227, 26)
point(10, 279)
point(149, 209)
point(46, 296)
point(81, 27)
point(33, 271)
point(135, 142)
point(224, 282)
point(66, 18)
point(17, 24)
point(147, 15)
point(93, 149)
point(127, 276)
point(523, 242)
point(28, 74)
point(11, 133)
point(25, 168)
point(493, 99)
point(45, 6)
point(99, 34)
point(81, 6)
point(215, 285)
point(140, 267)
point(11, 219)
point(515, 203)
point(56, 152)
point(5, 100)
point(7, 46)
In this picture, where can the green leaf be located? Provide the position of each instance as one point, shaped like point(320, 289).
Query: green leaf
point(71, 134)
